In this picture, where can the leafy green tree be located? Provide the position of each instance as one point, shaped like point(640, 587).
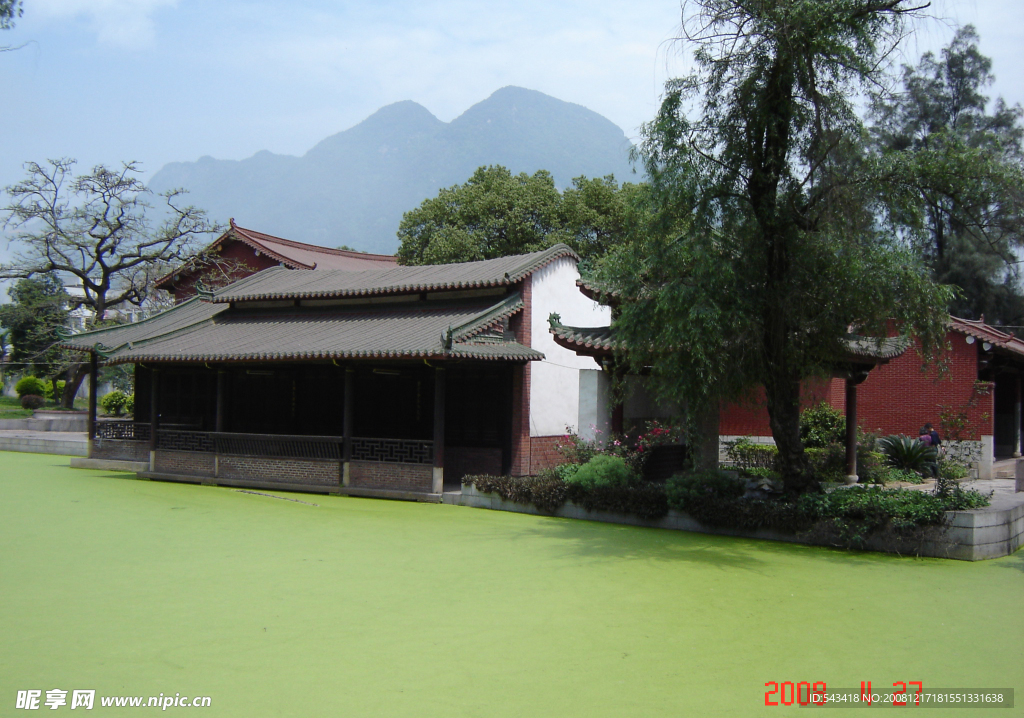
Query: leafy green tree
point(496, 214)
point(765, 247)
point(9, 9)
point(38, 308)
point(962, 187)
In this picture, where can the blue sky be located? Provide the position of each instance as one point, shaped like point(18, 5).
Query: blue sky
point(170, 80)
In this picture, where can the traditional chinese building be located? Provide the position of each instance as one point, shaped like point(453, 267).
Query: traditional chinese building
point(241, 252)
point(386, 382)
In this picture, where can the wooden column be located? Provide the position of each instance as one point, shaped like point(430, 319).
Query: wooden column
point(154, 415)
point(94, 369)
point(218, 421)
point(346, 430)
point(439, 392)
point(218, 418)
point(851, 429)
point(1016, 421)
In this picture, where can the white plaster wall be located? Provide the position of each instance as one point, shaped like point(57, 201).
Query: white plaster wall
point(555, 382)
point(595, 404)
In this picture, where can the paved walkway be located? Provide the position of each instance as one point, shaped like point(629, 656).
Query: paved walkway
point(68, 443)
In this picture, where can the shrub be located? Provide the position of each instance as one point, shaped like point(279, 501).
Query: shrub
point(644, 500)
point(952, 469)
point(566, 471)
point(602, 470)
point(546, 492)
point(745, 454)
point(852, 515)
point(905, 452)
point(892, 475)
point(683, 489)
point(577, 450)
point(760, 473)
point(48, 393)
point(114, 403)
point(32, 401)
point(822, 425)
point(715, 499)
point(30, 385)
point(871, 465)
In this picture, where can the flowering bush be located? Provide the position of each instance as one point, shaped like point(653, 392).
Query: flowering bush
point(658, 434)
point(577, 450)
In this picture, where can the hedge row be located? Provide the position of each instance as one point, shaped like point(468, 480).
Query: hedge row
point(548, 493)
point(845, 517)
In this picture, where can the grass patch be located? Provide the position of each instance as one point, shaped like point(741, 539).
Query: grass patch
point(374, 608)
point(10, 407)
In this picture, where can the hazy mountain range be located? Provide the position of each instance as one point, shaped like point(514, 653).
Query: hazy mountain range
point(353, 187)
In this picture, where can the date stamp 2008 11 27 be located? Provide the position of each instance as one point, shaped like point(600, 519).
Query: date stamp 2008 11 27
point(902, 694)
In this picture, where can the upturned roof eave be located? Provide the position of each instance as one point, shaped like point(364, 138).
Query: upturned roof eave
point(532, 262)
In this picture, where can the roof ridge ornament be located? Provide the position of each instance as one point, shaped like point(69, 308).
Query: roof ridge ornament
point(204, 294)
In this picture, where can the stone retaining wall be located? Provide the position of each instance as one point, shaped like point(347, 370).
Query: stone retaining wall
point(970, 536)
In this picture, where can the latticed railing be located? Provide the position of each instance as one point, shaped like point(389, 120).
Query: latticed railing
point(124, 430)
point(277, 445)
point(400, 451)
point(171, 440)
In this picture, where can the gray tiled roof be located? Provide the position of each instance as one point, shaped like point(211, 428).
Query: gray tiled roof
point(416, 329)
point(583, 340)
point(598, 341)
point(183, 315)
point(279, 283)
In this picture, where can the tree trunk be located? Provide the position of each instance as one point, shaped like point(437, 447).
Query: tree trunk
point(784, 417)
point(704, 438)
point(76, 374)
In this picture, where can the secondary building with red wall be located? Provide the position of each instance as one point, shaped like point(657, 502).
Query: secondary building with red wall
point(971, 394)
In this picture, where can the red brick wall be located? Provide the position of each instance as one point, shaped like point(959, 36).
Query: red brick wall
point(896, 398)
point(520, 326)
point(543, 454)
point(750, 418)
point(396, 477)
point(119, 449)
point(281, 471)
point(189, 463)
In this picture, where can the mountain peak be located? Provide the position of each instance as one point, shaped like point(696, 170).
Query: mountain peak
point(354, 186)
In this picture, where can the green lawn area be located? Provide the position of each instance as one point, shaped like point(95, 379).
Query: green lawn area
point(359, 607)
point(10, 407)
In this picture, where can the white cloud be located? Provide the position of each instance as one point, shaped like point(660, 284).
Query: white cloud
point(121, 23)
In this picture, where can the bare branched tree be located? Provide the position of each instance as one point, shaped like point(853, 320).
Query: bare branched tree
point(98, 231)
